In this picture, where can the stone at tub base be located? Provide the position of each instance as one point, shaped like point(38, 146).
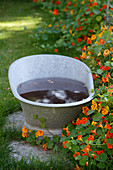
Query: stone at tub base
point(48, 133)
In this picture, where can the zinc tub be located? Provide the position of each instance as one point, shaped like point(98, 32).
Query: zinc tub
point(47, 66)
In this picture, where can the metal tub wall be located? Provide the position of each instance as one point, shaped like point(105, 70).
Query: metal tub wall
point(47, 66)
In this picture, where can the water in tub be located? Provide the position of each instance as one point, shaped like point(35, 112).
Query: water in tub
point(53, 90)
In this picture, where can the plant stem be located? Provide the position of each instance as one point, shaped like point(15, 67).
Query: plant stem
point(107, 17)
point(108, 5)
point(46, 128)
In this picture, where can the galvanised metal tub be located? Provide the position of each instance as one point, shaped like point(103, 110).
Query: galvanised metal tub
point(47, 66)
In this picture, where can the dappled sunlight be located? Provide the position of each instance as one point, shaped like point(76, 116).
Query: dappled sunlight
point(26, 23)
point(4, 35)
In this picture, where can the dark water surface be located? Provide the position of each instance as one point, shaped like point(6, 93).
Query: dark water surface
point(53, 90)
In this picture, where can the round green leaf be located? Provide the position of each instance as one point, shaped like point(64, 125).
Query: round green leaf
point(50, 144)
point(99, 18)
point(35, 116)
point(101, 165)
point(42, 125)
point(102, 157)
point(42, 119)
point(82, 162)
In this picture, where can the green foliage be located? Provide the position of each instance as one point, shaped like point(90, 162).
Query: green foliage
point(71, 24)
point(92, 141)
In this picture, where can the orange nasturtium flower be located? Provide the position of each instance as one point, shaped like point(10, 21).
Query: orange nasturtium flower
point(104, 111)
point(105, 79)
point(71, 12)
point(49, 25)
point(40, 133)
point(90, 138)
point(106, 53)
point(83, 55)
point(111, 49)
point(72, 43)
point(111, 91)
point(76, 153)
point(84, 48)
point(64, 144)
point(101, 41)
point(100, 125)
point(44, 146)
point(87, 163)
point(78, 122)
point(94, 105)
point(110, 146)
point(55, 12)
point(24, 134)
point(93, 37)
point(94, 131)
point(79, 137)
point(94, 3)
point(107, 126)
point(86, 149)
point(84, 120)
point(99, 152)
point(85, 110)
point(70, 31)
point(24, 130)
point(36, 134)
point(55, 50)
point(88, 41)
point(94, 156)
point(83, 2)
point(94, 123)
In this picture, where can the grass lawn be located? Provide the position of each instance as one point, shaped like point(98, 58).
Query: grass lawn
point(17, 21)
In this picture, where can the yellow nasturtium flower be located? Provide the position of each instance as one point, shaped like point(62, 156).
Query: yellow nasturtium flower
point(94, 123)
point(83, 2)
point(93, 37)
point(70, 31)
point(106, 53)
point(71, 12)
point(49, 25)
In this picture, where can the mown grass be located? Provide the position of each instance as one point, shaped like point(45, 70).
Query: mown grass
point(18, 19)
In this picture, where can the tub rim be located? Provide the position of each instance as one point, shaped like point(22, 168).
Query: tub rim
point(16, 94)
